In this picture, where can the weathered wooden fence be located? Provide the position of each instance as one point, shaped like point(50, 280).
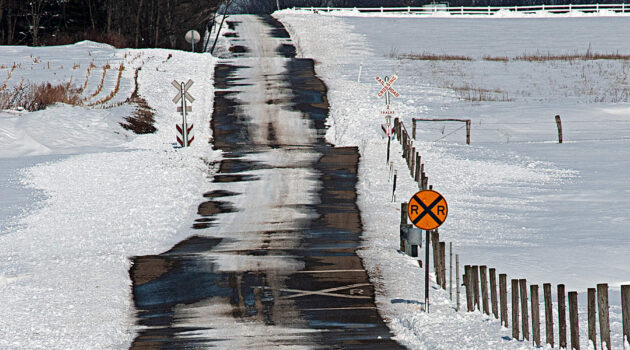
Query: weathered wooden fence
point(467, 122)
point(481, 292)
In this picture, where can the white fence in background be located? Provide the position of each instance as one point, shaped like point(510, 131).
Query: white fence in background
point(439, 9)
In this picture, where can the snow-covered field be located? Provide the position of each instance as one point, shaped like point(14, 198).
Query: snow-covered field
point(518, 201)
point(80, 195)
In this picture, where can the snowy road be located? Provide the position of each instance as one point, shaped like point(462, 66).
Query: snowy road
point(272, 260)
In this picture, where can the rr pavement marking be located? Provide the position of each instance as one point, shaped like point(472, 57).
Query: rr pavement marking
point(326, 292)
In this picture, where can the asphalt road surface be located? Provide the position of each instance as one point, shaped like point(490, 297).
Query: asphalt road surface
point(271, 261)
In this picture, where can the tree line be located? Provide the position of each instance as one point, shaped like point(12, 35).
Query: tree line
point(122, 23)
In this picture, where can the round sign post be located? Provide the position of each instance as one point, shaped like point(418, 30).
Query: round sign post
point(427, 210)
point(192, 37)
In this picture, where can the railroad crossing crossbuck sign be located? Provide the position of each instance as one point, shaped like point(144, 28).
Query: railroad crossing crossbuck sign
point(427, 209)
point(182, 98)
point(386, 90)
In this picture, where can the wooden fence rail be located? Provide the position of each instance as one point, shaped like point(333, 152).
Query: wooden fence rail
point(440, 9)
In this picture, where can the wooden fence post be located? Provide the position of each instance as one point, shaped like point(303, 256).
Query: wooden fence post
point(406, 147)
point(443, 264)
point(562, 318)
point(559, 125)
point(450, 270)
point(592, 314)
point(484, 289)
point(548, 314)
point(468, 284)
point(535, 314)
point(457, 279)
point(475, 281)
point(435, 245)
point(412, 161)
point(604, 321)
point(417, 174)
point(413, 128)
point(493, 292)
point(573, 321)
point(408, 158)
point(524, 309)
point(468, 132)
point(424, 180)
point(625, 312)
point(403, 221)
point(515, 306)
point(503, 299)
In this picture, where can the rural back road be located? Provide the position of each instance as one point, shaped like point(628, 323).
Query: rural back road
point(271, 259)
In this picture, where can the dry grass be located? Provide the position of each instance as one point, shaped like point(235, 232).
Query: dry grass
point(114, 91)
point(87, 77)
point(141, 122)
point(496, 58)
point(475, 94)
point(99, 87)
point(6, 81)
point(587, 56)
point(537, 57)
point(433, 57)
point(37, 97)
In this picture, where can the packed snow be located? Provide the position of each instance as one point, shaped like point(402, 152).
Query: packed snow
point(518, 201)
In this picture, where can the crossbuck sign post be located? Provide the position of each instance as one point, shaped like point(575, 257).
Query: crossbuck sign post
point(386, 90)
point(181, 98)
point(427, 210)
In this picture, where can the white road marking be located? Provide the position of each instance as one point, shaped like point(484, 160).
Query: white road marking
point(341, 308)
point(330, 271)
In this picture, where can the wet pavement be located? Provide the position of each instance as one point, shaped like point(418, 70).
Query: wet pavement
point(271, 260)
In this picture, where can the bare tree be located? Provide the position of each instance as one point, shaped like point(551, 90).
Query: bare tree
point(138, 22)
point(2, 6)
point(34, 18)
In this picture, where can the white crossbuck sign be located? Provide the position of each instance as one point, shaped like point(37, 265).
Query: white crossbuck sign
point(183, 90)
point(387, 88)
point(181, 98)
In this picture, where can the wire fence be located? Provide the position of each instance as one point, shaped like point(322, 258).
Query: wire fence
point(484, 294)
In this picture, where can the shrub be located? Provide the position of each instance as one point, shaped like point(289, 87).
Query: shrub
point(114, 39)
point(34, 97)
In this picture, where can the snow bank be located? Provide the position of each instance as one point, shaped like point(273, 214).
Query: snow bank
point(103, 195)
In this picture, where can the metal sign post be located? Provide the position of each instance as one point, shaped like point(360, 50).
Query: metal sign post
point(385, 91)
point(426, 271)
point(192, 37)
point(182, 97)
point(427, 209)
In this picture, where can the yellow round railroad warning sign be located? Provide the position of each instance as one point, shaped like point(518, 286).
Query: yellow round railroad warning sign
point(427, 209)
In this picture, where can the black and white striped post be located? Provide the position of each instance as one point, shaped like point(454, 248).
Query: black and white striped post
point(182, 98)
